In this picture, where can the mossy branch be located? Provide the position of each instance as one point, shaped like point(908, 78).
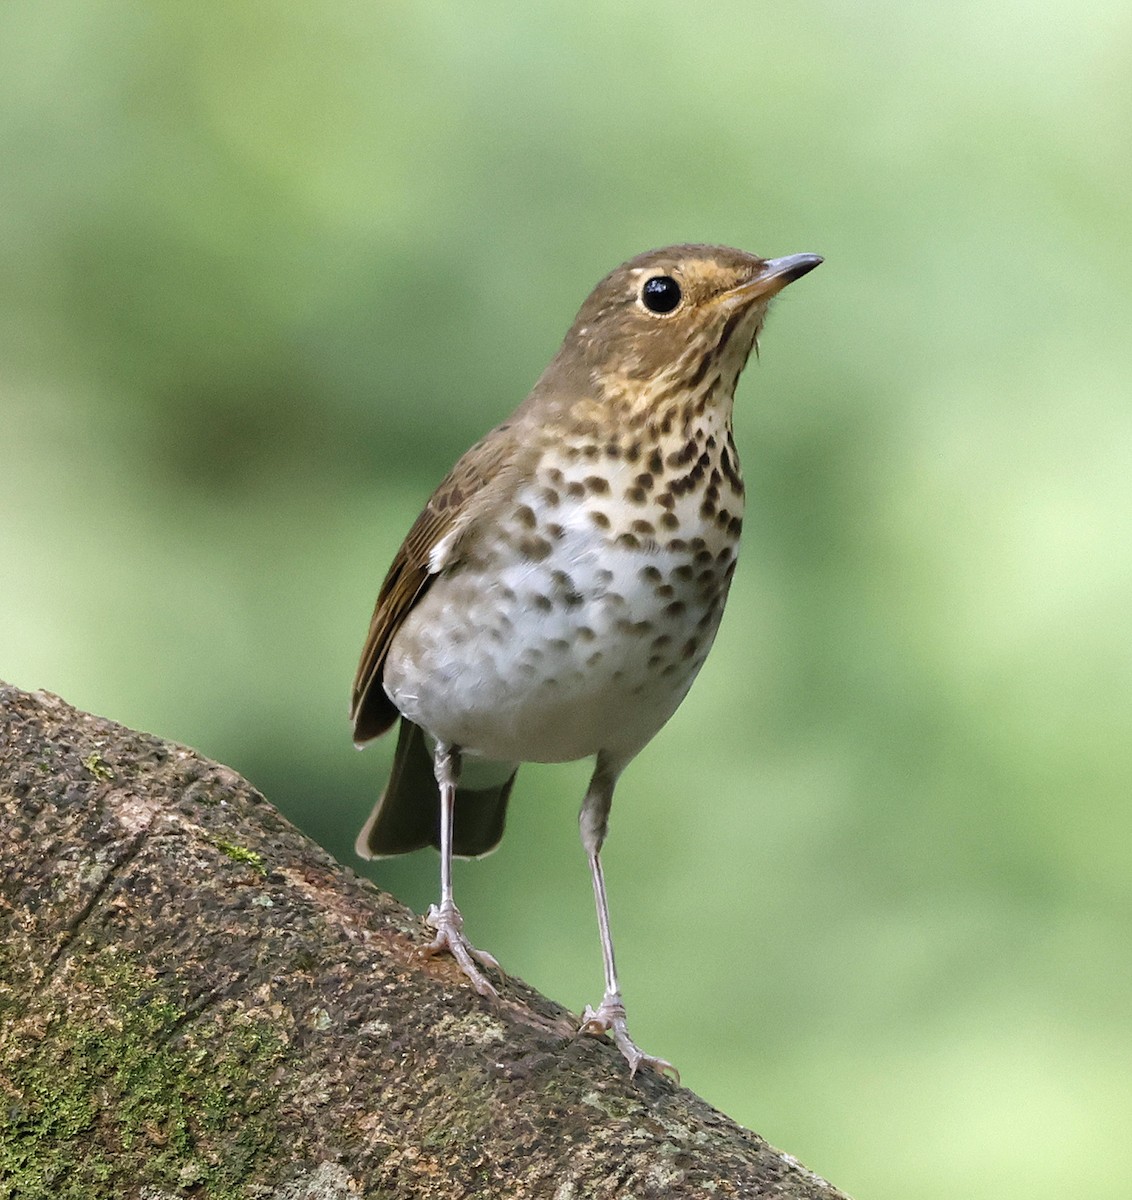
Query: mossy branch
point(197, 1001)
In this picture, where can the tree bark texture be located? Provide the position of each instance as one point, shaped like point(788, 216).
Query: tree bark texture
point(196, 1001)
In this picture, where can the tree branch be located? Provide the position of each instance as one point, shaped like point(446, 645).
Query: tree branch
point(196, 1000)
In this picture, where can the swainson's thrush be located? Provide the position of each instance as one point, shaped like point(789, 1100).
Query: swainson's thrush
point(561, 589)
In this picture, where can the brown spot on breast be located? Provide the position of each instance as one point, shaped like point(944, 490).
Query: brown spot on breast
point(535, 548)
point(729, 464)
point(600, 520)
point(565, 590)
point(597, 484)
point(542, 603)
point(594, 658)
point(676, 609)
point(689, 648)
point(656, 462)
point(628, 540)
point(644, 480)
point(636, 494)
point(683, 571)
point(585, 633)
point(525, 515)
point(707, 509)
point(669, 520)
point(679, 486)
point(644, 528)
point(576, 489)
point(665, 591)
point(555, 476)
point(650, 574)
point(550, 497)
point(682, 457)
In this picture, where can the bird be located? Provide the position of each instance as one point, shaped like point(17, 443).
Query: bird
point(562, 586)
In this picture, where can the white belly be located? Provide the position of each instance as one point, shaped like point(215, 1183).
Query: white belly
point(557, 659)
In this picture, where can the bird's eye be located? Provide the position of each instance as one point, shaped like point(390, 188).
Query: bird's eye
point(661, 294)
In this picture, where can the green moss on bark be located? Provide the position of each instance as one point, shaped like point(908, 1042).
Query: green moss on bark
point(125, 1088)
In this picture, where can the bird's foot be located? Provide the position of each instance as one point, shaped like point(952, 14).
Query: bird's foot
point(609, 1017)
point(448, 922)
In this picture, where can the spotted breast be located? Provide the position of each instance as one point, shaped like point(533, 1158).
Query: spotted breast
point(578, 619)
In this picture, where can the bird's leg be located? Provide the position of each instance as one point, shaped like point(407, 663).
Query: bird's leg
point(609, 1016)
point(446, 918)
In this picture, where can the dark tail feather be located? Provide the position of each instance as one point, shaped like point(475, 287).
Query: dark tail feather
point(407, 817)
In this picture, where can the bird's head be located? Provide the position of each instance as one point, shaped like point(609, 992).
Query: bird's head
point(680, 312)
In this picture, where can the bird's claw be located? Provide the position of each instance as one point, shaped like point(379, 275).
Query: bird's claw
point(449, 925)
point(609, 1017)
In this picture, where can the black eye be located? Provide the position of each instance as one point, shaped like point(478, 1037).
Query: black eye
point(660, 294)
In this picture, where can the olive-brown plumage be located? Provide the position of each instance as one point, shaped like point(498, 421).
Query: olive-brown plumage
point(562, 587)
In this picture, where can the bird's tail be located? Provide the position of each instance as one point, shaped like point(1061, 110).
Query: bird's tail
point(407, 817)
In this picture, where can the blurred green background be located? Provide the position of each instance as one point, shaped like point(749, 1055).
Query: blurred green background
point(266, 270)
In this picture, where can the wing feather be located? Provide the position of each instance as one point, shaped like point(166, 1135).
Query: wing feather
point(431, 545)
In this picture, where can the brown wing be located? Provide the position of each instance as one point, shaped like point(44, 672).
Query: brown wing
point(450, 513)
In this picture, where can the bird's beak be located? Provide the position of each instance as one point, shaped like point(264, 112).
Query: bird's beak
point(776, 273)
